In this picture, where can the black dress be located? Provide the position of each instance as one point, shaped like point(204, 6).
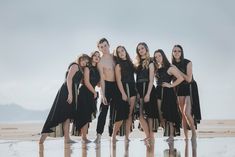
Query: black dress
point(128, 82)
point(86, 102)
point(169, 107)
point(189, 89)
point(61, 110)
point(150, 109)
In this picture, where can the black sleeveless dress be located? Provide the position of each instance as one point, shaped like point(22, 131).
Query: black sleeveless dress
point(189, 89)
point(169, 107)
point(61, 110)
point(128, 82)
point(150, 108)
point(87, 108)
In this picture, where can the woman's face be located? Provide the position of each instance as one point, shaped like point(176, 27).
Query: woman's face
point(141, 50)
point(83, 62)
point(158, 57)
point(96, 57)
point(177, 53)
point(121, 53)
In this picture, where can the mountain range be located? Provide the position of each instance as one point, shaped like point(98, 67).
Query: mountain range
point(15, 112)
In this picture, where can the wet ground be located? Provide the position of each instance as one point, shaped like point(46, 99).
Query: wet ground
point(203, 147)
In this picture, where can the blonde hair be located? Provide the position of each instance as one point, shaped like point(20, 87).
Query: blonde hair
point(146, 61)
point(82, 56)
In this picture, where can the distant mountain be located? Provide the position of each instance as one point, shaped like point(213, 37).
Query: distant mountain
point(14, 112)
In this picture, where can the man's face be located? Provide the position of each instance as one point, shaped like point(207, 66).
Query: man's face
point(104, 47)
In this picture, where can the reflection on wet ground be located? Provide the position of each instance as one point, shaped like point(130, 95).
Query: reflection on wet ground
point(204, 147)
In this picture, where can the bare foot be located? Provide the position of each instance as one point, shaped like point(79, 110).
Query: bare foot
point(97, 140)
point(69, 141)
point(170, 139)
point(85, 141)
point(113, 139)
point(127, 139)
point(186, 138)
point(152, 140)
point(147, 141)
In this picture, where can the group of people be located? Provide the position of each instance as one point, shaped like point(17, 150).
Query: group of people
point(128, 91)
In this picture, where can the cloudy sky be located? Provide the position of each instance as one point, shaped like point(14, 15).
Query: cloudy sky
point(38, 39)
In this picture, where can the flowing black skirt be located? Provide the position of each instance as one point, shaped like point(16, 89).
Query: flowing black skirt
point(150, 109)
point(86, 110)
point(194, 96)
point(60, 111)
point(169, 108)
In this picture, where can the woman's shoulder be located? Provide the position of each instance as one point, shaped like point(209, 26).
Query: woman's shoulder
point(186, 61)
point(73, 64)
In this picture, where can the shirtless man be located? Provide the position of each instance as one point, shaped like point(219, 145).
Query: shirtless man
point(108, 88)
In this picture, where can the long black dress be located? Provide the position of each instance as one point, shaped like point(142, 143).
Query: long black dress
point(189, 89)
point(169, 107)
point(128, 82)
point(150, 108)
point(86, 102)
point(61, 110)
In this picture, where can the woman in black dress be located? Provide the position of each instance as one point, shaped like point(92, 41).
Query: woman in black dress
point(167, 101)
point(148, 111)
point(65, 103)
point(187, 92)
point(87, 97)
point(124, 72)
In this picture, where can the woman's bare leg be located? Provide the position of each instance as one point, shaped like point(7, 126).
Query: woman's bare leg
point(150, 125)
point(143, 121)
point(189, 118)
point(43, 138)
point(181, 101)
point(171, 137)
point(84, 133)
point(162, 121)
point(116, 127)
point(66, 125)
point(129, 120)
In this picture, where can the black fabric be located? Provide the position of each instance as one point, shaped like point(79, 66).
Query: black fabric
point(111, 94)
point(86, 102)
point(127, 71)
point(61, 110)
point(183, 88)
point(169, 107)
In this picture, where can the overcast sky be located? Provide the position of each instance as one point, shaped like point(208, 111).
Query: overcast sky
point(38, 39)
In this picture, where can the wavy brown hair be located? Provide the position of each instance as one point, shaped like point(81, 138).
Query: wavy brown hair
point(165, 61)
point(146, 61)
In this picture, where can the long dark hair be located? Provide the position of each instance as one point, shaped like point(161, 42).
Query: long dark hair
point(173, 61)
point(89, 64)
point(120, 61)
point(166, 63)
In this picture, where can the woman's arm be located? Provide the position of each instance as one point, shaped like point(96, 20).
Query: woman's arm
point(175, 72)
point(87, 80)
point(189, 74)
point(119, 82)
point(151, 79)
point(72, 70)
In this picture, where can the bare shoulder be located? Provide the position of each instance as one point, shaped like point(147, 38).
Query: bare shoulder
point(86, 69)
point(74, 67)
point(117, 66)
